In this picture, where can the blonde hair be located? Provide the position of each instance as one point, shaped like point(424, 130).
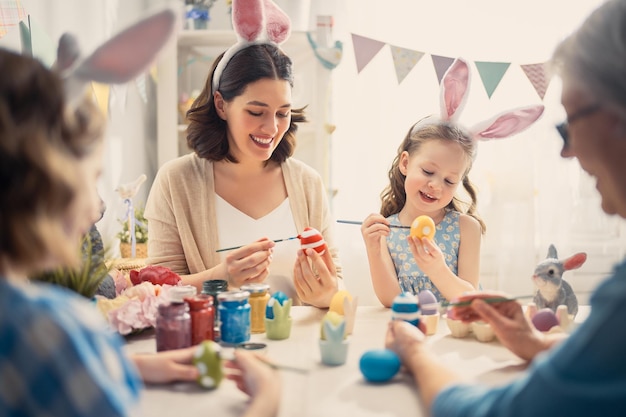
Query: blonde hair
point(393, 196)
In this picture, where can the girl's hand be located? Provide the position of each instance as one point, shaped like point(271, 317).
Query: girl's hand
point(169, 366)
point(428, 256)
point(315, 277)
point(249, 263)
point(374, 228)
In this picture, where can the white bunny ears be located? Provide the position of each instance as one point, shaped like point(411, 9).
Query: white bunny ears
point(453, 96)
point(255, 22)
point(118, 60)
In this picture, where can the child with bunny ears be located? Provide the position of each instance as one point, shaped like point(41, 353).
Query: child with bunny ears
point(241, 185)
point(57, 356)
point(433, 160)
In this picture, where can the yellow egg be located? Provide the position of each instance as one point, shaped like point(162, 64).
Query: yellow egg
point(336, 303)
point(423, 226)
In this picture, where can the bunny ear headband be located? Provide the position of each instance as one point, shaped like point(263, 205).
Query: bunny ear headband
point(453, 96)
point(255, 22)
point(118, 60)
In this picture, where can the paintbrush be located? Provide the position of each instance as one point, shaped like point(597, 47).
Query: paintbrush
point(399, 226)
point(240, 246)
point(488, 300)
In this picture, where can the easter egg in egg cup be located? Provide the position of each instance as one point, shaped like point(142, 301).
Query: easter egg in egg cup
point(429, 307)
point(209, 363)
point(423, 226)
point(344, 304)
point(277, 316)
point(333, 342)
point(313, 239)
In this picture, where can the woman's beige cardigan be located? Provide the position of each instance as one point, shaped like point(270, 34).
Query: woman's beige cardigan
point(181, 212)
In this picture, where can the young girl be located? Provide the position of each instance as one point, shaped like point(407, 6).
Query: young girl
point(433, 160)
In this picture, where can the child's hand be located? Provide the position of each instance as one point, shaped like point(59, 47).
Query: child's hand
point(168, 366)
point(428, 256)
point(374, 229)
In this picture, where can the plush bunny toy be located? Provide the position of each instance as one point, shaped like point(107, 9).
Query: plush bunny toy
point(552, 290)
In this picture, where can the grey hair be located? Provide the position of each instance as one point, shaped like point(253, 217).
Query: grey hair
point(595, 56)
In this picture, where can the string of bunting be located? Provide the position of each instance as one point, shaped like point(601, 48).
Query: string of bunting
point(404, 60)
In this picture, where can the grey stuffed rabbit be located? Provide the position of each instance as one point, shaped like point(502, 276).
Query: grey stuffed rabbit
point(552, 290)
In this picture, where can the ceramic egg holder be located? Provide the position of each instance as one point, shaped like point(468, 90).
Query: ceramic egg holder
point(279, 327)
point(481, 330)
point(333, 344)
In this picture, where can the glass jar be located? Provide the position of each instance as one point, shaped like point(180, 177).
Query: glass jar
point(234, 312)
point(213, 288)
point(173, 327)
point(179, 293)
point(259, 294)
point(202, 318)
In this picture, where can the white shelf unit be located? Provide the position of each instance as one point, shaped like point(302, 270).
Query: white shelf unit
point(183, 67)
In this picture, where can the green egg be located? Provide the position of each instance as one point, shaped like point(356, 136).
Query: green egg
point(208, 361)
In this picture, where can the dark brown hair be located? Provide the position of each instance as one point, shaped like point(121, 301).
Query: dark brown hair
point(40, 140)
point(394, 196)
point(206, 133)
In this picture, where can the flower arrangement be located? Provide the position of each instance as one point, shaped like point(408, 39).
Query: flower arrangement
point(136, 307)
point(141, 228)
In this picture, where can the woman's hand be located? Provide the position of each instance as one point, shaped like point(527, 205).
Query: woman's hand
point(168, 366)
point(374, 228)
point(428, 256)
point(315, 277)
point(257, 379)
point(404, 339)
point(250, 263)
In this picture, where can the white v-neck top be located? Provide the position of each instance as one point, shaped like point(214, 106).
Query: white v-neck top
point(278, 224)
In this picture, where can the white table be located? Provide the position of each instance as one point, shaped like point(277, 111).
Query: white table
point(332, 391)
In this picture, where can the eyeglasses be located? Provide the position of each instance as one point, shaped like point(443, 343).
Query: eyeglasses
point(584, 112)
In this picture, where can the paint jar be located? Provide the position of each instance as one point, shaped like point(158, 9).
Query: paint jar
point(202, 318)
point(259, 294)
point(234, 312)
point(213, 288)
point(173, 326)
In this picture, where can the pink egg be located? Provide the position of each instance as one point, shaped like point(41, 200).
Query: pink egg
point(545, 319)
point(312, 238)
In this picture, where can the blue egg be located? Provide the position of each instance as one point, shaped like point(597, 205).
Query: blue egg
point(379, 365)
point(277, 297)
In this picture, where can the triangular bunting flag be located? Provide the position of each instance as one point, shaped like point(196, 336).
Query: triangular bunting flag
point(12, 13)
point(101, 93)
point(27, 41)
point(365, 49)
point(536, 74)
point(441, 64)
point(404, 60)
point(140, 81)
point(491, 73)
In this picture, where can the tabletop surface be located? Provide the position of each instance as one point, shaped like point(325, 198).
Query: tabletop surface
point(332, 391)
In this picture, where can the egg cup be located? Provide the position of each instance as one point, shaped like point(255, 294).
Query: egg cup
point(333, 353)
point(432, 322)
point(483, 331)
point(278, 328)
point(457, 328)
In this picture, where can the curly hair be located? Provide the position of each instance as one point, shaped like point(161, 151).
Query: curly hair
point(207, 132)
point(393, 196)
point(40, 140)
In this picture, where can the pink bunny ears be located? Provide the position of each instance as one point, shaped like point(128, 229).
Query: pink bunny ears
point(118, 60)
point(453, 96)
point(255, 22)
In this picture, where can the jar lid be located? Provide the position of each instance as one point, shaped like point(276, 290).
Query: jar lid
point(255, 288)
point(199, 301)
point(233, 296)
point(178, 294)
point(215, 285)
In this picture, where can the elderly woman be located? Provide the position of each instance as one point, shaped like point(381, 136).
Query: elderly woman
point(585, 374)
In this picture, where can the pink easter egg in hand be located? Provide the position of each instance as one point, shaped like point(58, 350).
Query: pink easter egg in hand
point(312, 238)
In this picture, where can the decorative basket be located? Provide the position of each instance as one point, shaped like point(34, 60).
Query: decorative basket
point(141, 250)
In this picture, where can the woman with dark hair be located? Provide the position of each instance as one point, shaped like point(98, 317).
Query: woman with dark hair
point(241, 185)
